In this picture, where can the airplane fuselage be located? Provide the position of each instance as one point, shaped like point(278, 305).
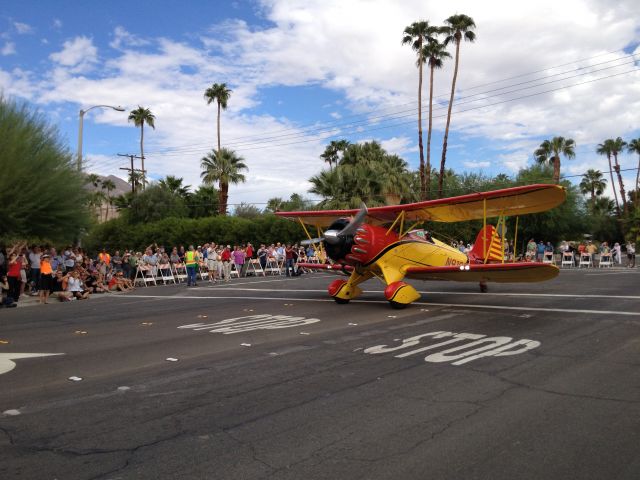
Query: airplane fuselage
point(383, 251)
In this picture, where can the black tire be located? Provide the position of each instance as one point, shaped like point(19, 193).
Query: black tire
point(397, 305)
point(341, 301)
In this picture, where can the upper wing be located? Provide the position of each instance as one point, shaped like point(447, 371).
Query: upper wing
point(508, 201)
point(490, 272)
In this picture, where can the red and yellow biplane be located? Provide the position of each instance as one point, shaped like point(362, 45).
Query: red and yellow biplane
point(385, 242)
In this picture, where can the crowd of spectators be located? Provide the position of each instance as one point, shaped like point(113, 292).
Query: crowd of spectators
point(71, 274)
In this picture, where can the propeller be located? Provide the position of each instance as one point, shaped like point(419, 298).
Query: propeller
point(334, 237)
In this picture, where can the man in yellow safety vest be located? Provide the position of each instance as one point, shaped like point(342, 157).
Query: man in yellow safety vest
point(191, 262)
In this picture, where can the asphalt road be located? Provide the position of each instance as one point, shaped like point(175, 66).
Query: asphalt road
point(269, 378)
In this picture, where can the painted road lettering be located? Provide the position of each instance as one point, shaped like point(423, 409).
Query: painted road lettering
point(475, 346)
point(252, 322)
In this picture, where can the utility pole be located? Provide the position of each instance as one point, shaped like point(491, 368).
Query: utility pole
point(132, 170)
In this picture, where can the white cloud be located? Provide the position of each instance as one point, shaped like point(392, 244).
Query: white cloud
point(9, 48)
point(22, 28)
point(56, 24)
point(77, 55)
point(475, 165)
point(317, 43)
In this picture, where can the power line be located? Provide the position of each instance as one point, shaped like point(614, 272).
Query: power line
point(327, 127)
point(398, 124)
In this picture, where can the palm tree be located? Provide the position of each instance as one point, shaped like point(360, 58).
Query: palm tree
point(435, 52)
point(592, 183)
point(139, 117)
point(617, 146)
point(137, 180)
point(222, 166)
point(457, 28)
point(417, 35)
point(550, 151)
point(109, 186)
point(93, 179)
point(605, 148)
point(330, 154)
point(220, 93)
point(634, 147)
point(174, 185)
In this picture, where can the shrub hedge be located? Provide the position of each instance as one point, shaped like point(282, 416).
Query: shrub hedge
point(118, 234)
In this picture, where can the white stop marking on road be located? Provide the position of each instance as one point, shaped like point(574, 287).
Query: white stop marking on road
point(251, 322)
point(470, 347)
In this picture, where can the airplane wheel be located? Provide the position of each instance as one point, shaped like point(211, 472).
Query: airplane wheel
point(341, 301)
point(397, 305)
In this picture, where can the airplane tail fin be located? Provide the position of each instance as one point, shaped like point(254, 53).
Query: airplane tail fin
point(488, 246)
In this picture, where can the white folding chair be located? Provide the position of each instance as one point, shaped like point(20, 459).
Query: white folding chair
point(255, 267)
point(548, 258)
point(165, 274)
point(203, 272)
point(567, 260)
point(272, 266)
point(585, 260)
point(605, 261)
point(180, 272)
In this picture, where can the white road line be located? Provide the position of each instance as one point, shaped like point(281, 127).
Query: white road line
point(457, 305)
point(428, 292)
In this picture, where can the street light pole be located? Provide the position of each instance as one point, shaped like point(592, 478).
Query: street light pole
point(80, 128)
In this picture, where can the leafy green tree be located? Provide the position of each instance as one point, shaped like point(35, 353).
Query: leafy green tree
point(295, 203)
point(634, 147)
point(549, 151)
point(156, 203)
point(224, 167)
point(203, 202)
point(418, 34)
point(563, 222)
point(593, 183)
point(247, 210)
point(435, 53)
point(139, 117)
point(219, 93)
point(41, 192)
point(457, 28)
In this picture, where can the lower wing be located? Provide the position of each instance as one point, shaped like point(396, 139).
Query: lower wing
point(489, 272)
point(337, 268)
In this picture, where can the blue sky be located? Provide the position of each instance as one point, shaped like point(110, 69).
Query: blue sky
point(306, 72)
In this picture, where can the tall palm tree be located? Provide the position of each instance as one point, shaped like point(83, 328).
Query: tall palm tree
point(219, 93)
point(634, 147)
point(109, 186)
point(222, 166)
point(550, 151)
point(435, 52)
point(593, 184)
point(139, 117)
point(605, 148)
point(174, 185)
point(617, 146)
point(457, 28)
point(331, 152)
point(418, 34)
